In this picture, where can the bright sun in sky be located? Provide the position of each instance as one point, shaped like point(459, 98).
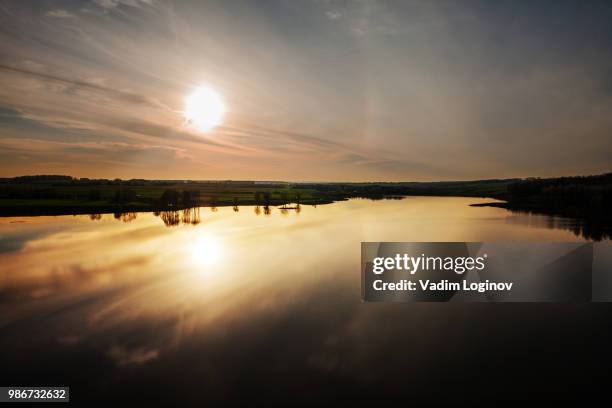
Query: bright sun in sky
point(204, 108)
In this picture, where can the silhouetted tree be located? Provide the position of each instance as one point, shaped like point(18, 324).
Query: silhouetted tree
point(574, 196)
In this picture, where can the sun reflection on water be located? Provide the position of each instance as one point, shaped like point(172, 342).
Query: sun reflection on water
point(206, 250)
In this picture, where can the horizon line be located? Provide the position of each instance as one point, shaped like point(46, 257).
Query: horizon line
point(306, 181)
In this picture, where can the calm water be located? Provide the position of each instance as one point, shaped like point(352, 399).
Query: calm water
point(256, 306)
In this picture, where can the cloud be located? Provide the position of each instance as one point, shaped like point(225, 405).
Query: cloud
point(34, 155)
point(333, 14)
point(116, 148)
point(138, 355)
point(111, 4)
point(59, 13)
point(125, 96)
point(107, 3)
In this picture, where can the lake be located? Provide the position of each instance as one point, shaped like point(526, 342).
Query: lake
point(209, 304)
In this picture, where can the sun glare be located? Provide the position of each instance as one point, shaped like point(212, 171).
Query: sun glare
point(206, 250)
point(204, 108)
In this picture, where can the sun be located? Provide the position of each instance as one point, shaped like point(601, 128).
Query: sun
point(204, 108)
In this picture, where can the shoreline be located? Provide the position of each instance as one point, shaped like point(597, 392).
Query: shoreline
point(41, 211)
point(106, 208)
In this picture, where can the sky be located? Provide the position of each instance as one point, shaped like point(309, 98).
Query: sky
point(315, 90)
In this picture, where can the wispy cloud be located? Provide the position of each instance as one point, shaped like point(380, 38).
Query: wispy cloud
point(59, 13)
point(74, 84)
point(111, 4)
point(333, 14)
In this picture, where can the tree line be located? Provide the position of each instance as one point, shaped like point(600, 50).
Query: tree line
point(585, 195)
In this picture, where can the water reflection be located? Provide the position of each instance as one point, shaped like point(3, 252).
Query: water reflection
point(191, 216)
point(175, 218)
point(241, 302)
point(588, 229)
point(170, 218)
point(207, 250)
point(126, 216)
point(592, 229)
point(287, 208)
point(266, 210)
